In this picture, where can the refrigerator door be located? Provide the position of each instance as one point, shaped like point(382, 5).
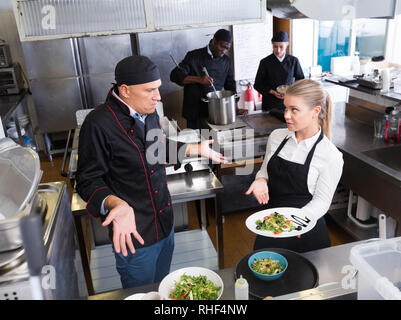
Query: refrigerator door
point(56, 102)
point(99, 57)
point(50, 59)
point(101, 54)
point(98, 86)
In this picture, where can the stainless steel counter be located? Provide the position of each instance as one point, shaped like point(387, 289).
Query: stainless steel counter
point(390, 94)
point(332, 263)
point(371, 179)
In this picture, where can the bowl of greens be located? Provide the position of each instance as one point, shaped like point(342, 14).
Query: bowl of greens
point(192, 283)
point(267, 265)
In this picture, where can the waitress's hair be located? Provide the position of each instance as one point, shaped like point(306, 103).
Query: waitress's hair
point(313, 94)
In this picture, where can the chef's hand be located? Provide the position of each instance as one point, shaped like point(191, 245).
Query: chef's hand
point(206, 80)
point(277, 94)
point(204, 150)
point(260, 190)
point(123, 218)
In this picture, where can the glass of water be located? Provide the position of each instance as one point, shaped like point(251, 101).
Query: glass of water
point(378, 126)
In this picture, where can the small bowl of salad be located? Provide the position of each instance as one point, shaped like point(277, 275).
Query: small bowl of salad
point(267, 265)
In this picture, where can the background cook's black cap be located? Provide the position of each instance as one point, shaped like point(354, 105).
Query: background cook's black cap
point(134, 70)
point(280, 36)
point(223, 35)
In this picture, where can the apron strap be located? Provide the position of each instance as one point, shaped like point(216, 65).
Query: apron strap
point(310, 154)
point(280, 147)
point(312, 151)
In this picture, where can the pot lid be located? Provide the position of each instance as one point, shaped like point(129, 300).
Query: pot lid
point(19, 177)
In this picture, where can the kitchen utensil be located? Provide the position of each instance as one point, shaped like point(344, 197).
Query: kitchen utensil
point(214, 89)
point(175, 62)
point(266, 254)
point(303, 222)
point(221, 110)
point(31, 230)
point(167, 284)
point(301, 274)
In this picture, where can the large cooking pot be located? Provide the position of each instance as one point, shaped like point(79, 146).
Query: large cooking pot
point(19, 178)
point(221, 107)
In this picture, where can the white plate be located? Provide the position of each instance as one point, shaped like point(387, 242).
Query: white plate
point(136, 296)
point(295, 215)
point(169, 281)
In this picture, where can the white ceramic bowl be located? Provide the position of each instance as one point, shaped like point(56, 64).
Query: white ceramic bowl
point(136, 296)
point(167, 284)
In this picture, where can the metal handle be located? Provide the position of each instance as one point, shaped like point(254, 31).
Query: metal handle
point(205, 100)
point(175, 62)
point(63, 172)
point(214, 88)
point(382, 227)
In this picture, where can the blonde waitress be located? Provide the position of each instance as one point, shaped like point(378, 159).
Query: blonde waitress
point(302, 167)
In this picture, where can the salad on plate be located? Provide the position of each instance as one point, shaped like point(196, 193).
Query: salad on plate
point(194, 288)
point(275, 222)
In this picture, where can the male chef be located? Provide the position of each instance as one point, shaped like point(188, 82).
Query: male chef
point(121, 187)
point(196, 83)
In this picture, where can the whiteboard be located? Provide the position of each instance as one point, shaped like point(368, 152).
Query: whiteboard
point(251, 42)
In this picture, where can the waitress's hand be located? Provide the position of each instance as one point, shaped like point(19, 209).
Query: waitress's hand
point(123, 218)
point(206, 80)
point(277, 94)
point(260, 190)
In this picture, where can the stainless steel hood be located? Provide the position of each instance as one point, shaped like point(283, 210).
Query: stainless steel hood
point(334, 10)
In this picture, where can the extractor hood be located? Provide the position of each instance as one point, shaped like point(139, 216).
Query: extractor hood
point(52, 19)
point(334, 10)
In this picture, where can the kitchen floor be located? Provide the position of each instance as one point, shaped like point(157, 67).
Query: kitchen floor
point(238, 240)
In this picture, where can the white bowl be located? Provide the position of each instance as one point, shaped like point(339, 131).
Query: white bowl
point(136, 296)
point(169, 281)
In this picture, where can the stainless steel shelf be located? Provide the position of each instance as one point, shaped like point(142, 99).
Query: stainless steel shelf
point(340, 217)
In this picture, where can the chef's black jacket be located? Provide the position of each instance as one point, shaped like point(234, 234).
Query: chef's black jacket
point(273, 73)
point(112, 161)
point(219, 69)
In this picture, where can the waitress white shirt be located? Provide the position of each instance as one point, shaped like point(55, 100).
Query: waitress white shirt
point(325, 168)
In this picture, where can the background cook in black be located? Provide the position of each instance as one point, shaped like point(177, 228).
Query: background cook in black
point(196, 84)
point(279, 68)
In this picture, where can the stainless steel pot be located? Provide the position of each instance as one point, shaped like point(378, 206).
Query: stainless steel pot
point(221, 107)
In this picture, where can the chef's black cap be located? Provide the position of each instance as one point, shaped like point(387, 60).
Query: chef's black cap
point(134, 70)
point(223, 35)
point(280, 36)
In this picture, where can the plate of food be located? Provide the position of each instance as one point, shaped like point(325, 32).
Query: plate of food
point(192, 283)
point(280, 222)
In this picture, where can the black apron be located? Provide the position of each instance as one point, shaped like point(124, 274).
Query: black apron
point(288, 187)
